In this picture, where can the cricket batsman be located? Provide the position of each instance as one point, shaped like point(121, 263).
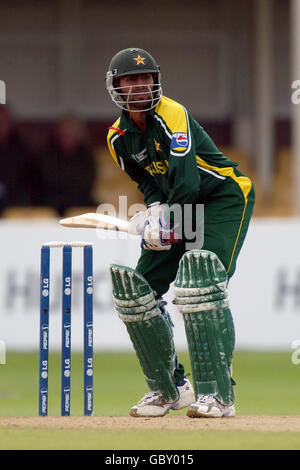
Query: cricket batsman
point(175, 163)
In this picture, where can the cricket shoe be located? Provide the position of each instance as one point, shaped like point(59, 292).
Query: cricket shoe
point(208, 406)
point(186, 395)
point(153, 405)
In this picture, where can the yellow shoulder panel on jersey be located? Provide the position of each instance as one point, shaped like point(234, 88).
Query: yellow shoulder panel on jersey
point(173, 115)
point(174, 119)
point(111, 136)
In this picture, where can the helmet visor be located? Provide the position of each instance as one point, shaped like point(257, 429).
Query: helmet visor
point(135, 98)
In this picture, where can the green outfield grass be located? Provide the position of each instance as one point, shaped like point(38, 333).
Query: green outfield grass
point(267, 384)
point(42, 439)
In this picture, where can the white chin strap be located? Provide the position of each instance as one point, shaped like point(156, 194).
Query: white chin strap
point(122, 99)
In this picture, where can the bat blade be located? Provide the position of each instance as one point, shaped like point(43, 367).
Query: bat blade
point(93, 220)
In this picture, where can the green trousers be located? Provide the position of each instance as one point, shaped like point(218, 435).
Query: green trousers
point(227, 214)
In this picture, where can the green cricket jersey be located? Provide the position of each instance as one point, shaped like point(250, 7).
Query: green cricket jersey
point(173, 160)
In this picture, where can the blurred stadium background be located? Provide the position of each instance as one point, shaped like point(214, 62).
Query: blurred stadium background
point(230, 62)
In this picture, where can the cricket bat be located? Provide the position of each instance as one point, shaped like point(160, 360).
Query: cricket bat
point(105, 222)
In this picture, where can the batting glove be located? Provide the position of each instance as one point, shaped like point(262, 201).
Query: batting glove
point(158, 234)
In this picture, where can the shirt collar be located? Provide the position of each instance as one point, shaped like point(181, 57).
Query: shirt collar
point(129, 125)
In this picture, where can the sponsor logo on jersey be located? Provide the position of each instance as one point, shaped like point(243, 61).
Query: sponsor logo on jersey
point(139, 157)
point(179, 141)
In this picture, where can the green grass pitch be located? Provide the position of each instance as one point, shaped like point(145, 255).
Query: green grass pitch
point(267, 384)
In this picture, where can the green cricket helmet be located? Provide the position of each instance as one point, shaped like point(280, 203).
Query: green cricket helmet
point(130, 62)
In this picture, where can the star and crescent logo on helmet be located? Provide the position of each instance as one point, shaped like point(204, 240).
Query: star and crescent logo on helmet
point(139, 60)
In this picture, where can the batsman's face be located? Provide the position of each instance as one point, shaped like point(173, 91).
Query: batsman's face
point(136, 90)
